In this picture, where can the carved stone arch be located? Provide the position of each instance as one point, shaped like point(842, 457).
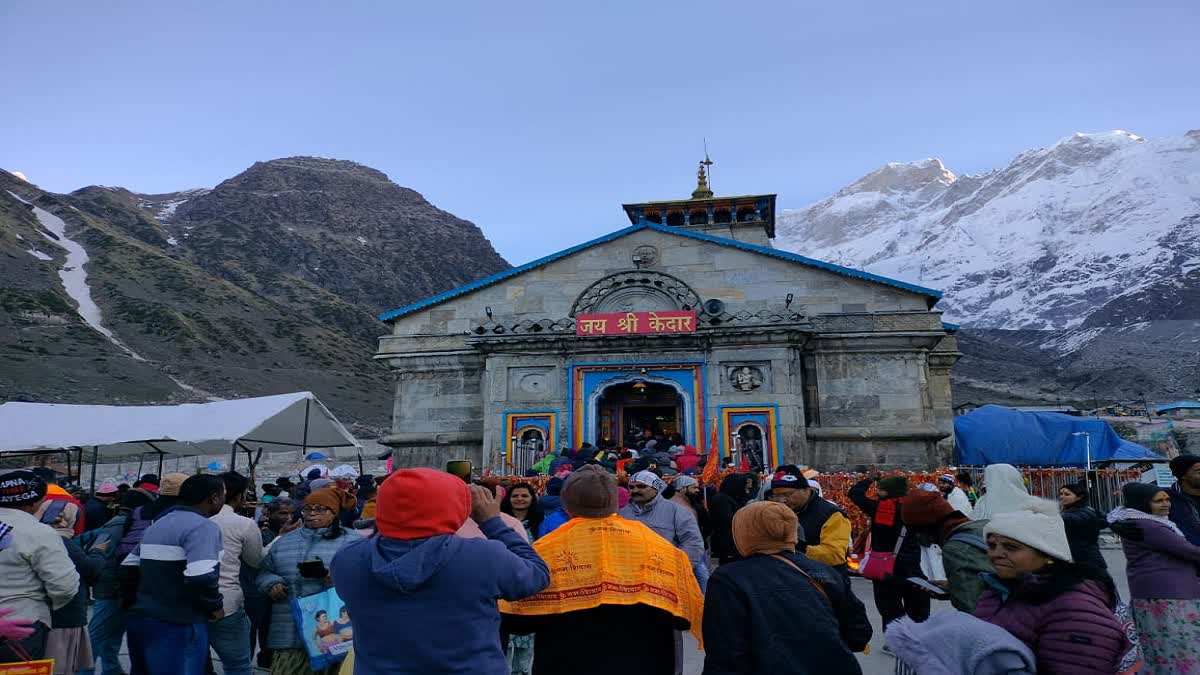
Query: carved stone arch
point(636, 290)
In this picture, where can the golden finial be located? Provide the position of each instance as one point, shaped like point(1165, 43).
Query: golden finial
point(702, 191)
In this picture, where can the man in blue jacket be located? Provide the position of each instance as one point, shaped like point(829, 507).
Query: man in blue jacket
point(422, 599)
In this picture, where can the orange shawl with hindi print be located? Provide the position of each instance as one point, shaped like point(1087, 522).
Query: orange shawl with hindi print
point(613, 561)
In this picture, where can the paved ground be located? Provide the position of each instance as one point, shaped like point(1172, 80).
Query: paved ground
point(874, 663)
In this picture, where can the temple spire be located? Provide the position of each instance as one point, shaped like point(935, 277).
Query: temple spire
point(702, 191)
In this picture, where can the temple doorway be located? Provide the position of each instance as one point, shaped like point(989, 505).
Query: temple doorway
point(632, 411)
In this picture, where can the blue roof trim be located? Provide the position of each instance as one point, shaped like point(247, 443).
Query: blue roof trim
point(952, 327)
point(647, 225)
point(1178, 405)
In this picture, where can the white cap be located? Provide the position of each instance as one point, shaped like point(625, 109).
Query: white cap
point(1037, 524)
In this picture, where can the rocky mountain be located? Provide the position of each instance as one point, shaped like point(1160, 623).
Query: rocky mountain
point(268, 282)
point(1087, 252)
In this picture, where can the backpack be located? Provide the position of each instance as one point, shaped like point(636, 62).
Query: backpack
point(969, 539)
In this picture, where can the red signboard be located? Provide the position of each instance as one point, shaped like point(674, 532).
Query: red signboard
point(635, 323)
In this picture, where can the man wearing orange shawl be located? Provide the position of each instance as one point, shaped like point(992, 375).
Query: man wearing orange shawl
point(608, 575)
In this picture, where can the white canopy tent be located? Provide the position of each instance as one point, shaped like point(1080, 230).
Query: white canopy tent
point(296, 421)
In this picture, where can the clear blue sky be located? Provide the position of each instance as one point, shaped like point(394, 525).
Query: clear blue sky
point(536, 120)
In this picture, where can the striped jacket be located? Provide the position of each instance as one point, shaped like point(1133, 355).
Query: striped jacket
point(179, 558)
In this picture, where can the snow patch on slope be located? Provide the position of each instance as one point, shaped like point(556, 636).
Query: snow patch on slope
point(74, 276)
point(38, 254)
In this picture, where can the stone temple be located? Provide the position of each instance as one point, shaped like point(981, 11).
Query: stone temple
point(686, 322)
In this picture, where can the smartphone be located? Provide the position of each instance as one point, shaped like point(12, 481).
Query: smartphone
point(461, 468)
point(936, 591)
point(312, 569)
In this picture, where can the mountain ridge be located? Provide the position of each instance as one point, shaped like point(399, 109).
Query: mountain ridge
point(229, 291)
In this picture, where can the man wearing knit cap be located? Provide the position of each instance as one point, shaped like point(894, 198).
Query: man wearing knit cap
point(1185, 496)
point(671, 521)
point(826, 528)
point(38, 575)
point(422, 599)
point(809, 611)
point(607, 573)
point(894, 596)
point(964, 551)
point(954, 494)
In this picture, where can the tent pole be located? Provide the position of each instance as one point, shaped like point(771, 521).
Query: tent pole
point(304, 448)
point(141, 456)
point(361, 471)
point(160, 460)
point(233, 457)
point(95, 460)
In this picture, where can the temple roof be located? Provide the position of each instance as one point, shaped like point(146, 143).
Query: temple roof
point(931, 294)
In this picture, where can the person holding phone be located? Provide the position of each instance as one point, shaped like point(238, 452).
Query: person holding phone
point(423, 600)
point(296, 565)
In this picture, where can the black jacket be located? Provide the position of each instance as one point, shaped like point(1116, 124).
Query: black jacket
point(762, 617)
point(721, 508)
point(1083, 524)
point(625, 639)
point(884, 535)
point(95, 514)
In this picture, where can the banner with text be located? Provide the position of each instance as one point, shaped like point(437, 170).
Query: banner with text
point(636, 323)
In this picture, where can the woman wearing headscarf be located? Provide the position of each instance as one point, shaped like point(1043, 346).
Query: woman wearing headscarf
point(68, 642)
point(281, 576)
point(1062, 611)
point(1083, 525)
point(1004, 490)
point(1162, 570)
point(769, 593)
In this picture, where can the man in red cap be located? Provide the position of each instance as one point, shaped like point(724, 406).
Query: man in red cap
point(422, 599)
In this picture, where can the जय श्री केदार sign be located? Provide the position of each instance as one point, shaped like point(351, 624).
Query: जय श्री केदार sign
point(636, 323)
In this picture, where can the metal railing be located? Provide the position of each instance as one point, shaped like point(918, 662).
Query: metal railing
point(1104, 485)
point(521, 456)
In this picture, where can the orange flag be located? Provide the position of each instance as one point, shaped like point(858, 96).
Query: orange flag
point(712, 466)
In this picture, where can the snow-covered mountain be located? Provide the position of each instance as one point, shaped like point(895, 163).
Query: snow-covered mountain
point(1096, 230)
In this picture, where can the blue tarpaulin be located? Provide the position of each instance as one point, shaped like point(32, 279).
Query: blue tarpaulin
point(997, 435)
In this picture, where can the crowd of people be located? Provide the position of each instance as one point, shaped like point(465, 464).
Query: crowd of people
point(432, 573)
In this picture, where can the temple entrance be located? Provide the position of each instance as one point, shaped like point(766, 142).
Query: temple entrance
point(633, 411)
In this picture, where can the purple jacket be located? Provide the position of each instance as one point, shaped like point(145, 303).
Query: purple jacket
point(1163, 566)
point(1072, 633)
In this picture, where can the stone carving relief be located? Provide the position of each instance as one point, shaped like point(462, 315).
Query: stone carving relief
point(745, 378)
point(636, 291)
point(530, 383)
point(645, 256)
